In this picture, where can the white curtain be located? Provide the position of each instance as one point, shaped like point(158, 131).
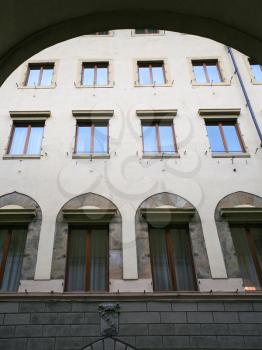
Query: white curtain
point(182, 259)
point(161, 273)
point(14, 261)
point(98, 273)
point(76, 260)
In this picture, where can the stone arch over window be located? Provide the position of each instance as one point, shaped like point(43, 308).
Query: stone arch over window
point(108, 343)
point(15, 209)
point(239, 207)
point(90, 204)
point(172, 202)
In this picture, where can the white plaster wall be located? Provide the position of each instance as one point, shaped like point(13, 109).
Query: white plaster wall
point(126, 178)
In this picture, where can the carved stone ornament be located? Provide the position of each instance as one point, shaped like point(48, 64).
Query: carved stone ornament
point(109, 318)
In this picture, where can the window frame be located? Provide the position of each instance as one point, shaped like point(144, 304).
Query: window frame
point(220, 122)
point(110, 34)
point(92, 123)
point(6, 247)
point(220, 67)
point(157, 123)
point(41, 63)
point(251, 248)
point(151, 61)
point(160, 32)
point(80, 71)
point(170, 259)
point(88, 228)
point(252, 77)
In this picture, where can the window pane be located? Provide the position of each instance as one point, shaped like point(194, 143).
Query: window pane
point(232, 139)
point(166, 138)
point(149, 139)
point(3, 234)
point(33, 76)
point(76, 260)
point(83, 139)
point(245, 260)
point(160, 268)
point(98, 268)
point(158, 75)
point(35, 140)
point(47, 76)
point(257, 71)
point(102, 76)
point(144, 76)
point(88, 76)
point(100, 139)
point(213, 73)
point(14, 261)
point(182, 259)
point(18, 140)
point(215, 138)
point(199, 74)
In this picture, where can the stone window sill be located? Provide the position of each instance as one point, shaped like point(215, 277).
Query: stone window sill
point(91, 156)
point(79, 86)
point(225, 83)
point(160, 155)
point(21, 156)
point(153, 85)
point(230, 155)
point(53, 86)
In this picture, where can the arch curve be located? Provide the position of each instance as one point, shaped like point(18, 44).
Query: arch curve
point(88, 200)
point(17, 200)
point(170, 200)
point(232, 200)
point(108, 343)
point(222, 22)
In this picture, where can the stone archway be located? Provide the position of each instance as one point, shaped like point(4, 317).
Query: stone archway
point(27, 29)
point(107, 344)
point(88, 200)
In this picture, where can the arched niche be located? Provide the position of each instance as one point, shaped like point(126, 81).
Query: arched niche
point(237, 203)
point(91, 205)
point(108, 343)
point(17, 208)
point(170, 203)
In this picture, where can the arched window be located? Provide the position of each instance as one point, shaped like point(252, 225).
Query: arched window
point(109, 343)
point(170, 243)
point(239, 223)
point(20, 221)
point(88, 247)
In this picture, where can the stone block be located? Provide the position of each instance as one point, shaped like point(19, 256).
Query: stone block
point(139, 317)
point(17, 319)
point(173, 317)
point(226, 317)
point(200, 317)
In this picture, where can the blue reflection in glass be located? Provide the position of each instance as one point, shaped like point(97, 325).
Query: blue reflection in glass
point(35, 140)
point(88, 76)
point(215, 138)
point(33, 76)
point(213, 73)
point(149, 138)
point(166, 138)
point(232, 139)
point(158, 75)
point(199, 74)
point(100, 139)
point(18, 140)
point(144, 76)
point(47, 76)
point(257, 72)
point(102, 76)
point(83, 139)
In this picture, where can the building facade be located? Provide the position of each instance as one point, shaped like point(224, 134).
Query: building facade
point(130, 174)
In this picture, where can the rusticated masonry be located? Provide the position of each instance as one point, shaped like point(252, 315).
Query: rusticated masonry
point(33, 233)
point(195, 230)
point(234, 322)
point(115, 236)
point(236, 199)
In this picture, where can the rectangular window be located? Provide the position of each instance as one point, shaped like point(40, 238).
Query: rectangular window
point(171, 259)
point(106, 32)
point(87, 260)
point(12, 246)
point(95, 74)
point(151, 73)
point(224, 136)
point(207, 71)
point(40, 75)
point(26, 139)
point(256, 70)
point(91, 137)
point(147, 31)
point(158, 137)
point(248, 245)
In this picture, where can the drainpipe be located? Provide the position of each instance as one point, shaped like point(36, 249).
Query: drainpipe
point(245, 94)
